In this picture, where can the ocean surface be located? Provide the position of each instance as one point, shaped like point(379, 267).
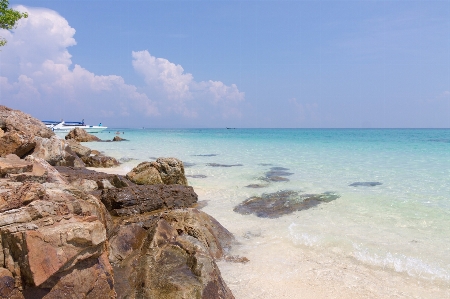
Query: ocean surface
point(386, 237)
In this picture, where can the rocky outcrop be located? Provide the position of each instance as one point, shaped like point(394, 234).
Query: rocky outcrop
point(69, 232)
point(172, 256)
point(18, 132)
point(162, 171)
point(81, 135)
point(53, 235)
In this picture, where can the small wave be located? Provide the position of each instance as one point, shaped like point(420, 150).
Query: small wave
point(401, 263)
point(302, 238)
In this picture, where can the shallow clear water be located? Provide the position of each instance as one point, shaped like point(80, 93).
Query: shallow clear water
point(402, 225)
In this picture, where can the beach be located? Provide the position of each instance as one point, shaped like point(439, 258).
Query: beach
point(384, 240)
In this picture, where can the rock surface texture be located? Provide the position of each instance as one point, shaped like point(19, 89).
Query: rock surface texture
point(167, 171)
point(70, 232)
point(81, 135)
point(18, 131)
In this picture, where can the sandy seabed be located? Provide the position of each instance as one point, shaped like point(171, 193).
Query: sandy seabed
point(278, 269)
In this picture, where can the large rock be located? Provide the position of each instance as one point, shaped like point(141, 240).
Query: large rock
point(173, 258)
point(146, 173)
point(81, 135)
point(18, 132)
point(163, 171)
point(49, 232)
point(141, 199)
point(56, 152)
point(77, 148)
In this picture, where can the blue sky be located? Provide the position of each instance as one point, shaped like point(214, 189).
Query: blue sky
point(231, 63)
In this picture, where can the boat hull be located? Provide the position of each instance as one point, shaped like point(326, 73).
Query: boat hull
point(89, 129)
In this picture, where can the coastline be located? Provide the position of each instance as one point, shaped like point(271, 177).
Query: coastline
point(301, 270)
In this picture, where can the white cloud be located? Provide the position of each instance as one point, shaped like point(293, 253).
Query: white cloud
point(37, 75)
point(181, 91)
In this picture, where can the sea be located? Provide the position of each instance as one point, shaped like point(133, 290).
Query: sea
point(386, 234)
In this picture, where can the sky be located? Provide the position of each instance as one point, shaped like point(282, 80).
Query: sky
point(213, 64)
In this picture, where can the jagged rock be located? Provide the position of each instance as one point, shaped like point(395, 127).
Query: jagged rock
point(100, 161)
point(19, 130)
point(77, 148)
point(80, 176)
point(56, 152)
point(21, 196)
point(117, 138)
point(174, 258)
point(13, 166)
point(274, 205)
point(81, 135)
point(162, 171)
point(49, 229)
point(140, 199)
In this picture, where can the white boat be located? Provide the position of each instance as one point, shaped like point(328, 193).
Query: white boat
point(65, 127)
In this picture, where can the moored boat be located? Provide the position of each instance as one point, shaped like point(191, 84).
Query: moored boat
point(65, 127)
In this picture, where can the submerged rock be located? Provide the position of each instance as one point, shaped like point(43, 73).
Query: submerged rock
point(206, 155)
point(365, 184)
point(256, 186)
point(274, 205)
point(222, 165)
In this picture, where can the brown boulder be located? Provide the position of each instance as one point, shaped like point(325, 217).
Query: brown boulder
point(91, 279)
point(19, 130)
point(100, 161)
point(81, 135)
point(169, 259)
point(117, 138)
point(146, 173)
point(164, 170)
point(77, 148)
point(56, 152)
point(8, 288)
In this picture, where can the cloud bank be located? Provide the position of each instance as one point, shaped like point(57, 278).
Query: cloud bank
point(37, 76)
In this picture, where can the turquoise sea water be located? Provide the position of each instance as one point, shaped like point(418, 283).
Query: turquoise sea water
point(402, 225)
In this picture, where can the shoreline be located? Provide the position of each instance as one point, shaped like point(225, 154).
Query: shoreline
point(309, 271)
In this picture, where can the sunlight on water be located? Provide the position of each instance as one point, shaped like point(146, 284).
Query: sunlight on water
point(395, 217)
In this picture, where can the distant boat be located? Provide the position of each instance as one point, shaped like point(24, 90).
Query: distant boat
point(65, 127)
